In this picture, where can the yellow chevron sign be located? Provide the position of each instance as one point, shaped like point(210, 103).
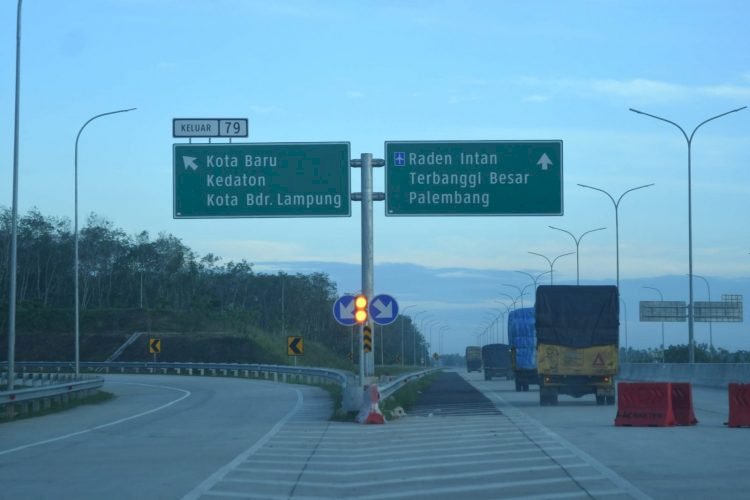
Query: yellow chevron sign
point(154, 346)
point(367, 333)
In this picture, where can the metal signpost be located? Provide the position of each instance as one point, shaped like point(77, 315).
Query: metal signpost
point(474, 178)
point(261, 180)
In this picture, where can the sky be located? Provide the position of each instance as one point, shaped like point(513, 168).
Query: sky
point(369, 72)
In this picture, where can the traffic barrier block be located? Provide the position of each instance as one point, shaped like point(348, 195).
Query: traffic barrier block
point(739, 405)
point(644, 404)
point(682, 404)
point(370, 412)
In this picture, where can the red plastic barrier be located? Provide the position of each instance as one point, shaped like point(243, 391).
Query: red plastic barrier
point(644, 404)
point(682, 404)
point(370, 413)
point(739, 405)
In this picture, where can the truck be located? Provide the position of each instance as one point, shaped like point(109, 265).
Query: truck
point(577, 330)
point(496, 361)
point(473, 358)
point(522, 340)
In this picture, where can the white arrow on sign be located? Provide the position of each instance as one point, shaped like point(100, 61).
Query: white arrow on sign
point(346, 312)
point(544, 161)
point(190, 162)
point(384, 311)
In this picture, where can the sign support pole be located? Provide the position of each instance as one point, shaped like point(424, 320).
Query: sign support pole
point(367, 259)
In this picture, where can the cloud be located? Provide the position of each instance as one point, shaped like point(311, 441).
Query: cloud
point(639, 88)
point(461, 275)
point(354, 94)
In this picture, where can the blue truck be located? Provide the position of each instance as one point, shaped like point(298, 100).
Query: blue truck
point(522, 340)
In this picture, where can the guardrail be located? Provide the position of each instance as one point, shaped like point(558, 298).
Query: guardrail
point(277, 373)
point(41, 391)
point(389, 389)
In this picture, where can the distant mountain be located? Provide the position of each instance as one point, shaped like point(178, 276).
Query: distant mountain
point(462, 302)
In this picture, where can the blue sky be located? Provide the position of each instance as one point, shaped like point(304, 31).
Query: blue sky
point(369, 72)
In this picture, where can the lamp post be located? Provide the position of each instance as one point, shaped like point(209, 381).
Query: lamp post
point(507, 311)
point(14, 221)
point(625, 306)
point(534, 279)
point(513, 300)
point(661, 298)
point(710, 323)
point(77, 300)
point(551, 262)
point(577, 242)
point(521, 291)
point(689, 139)
point(402, 330)
point(617, 221)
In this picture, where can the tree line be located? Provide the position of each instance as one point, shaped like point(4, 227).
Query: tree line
point(121, 271)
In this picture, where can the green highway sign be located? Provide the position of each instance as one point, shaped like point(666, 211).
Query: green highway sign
point(262, 180)
point(473, 178)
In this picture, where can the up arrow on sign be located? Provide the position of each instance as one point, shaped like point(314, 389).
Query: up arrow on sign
point(383, 309)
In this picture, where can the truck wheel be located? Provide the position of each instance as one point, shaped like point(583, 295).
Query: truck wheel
point(519, 386)
point(600, 400)
point(525, 387)
point(487, 376)
point(610, 400)
point(553, 397)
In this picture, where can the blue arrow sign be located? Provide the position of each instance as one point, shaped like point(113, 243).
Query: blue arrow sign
point(383, 309)
point(343, 310)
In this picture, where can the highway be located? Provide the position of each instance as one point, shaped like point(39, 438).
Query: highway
point(178, 437)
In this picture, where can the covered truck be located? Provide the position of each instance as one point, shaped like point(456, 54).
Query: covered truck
point(522, 340)
point(496, 361)
point(473, 358)
point(577, 329)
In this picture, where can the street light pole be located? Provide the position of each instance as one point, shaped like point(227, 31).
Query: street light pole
point(513, 300)
point(617, 222)
point(551, 262)
point(661, 298)
point(14, 221)
point(710, 323)
point(577, 242)
point(689, 139)
point(521, 291)
point(534, 279)
point(77, 299)
point(402, 330)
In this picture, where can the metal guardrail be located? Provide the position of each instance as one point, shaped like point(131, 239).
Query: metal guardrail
point(389, 389)
point(39, 391)
point(346, 380)
point(340, 377)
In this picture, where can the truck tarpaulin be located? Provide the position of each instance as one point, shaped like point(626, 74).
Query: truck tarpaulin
point(577, 316)
point(522, 337)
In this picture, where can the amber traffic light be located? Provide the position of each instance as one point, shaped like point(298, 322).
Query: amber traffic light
point(360, 308)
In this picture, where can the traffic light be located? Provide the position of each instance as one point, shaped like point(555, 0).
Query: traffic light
point(360, 308)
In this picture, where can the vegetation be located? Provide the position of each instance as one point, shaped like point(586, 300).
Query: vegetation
point(407, 395)
point(141, 283)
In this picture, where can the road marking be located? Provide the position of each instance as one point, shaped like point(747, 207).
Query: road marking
point(109, 424)
point(519, 418)
point(218, 476)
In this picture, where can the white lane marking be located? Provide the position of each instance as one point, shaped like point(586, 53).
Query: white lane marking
point(605, 471)
point(109, 424)
point(217, 476)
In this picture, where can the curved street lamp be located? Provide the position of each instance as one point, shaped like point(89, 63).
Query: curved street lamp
point(77, 300)
point(577, 242)
point(551, 262)
point(401, 313)
point(521, 291)
point(617, 221)
point(689, 139)
point(661, 298)
point(534, 279)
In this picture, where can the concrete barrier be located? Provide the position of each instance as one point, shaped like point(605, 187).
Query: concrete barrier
point(700, 374)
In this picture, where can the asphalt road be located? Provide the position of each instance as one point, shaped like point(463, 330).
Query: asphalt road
point(160, 438)
point(170, 437)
